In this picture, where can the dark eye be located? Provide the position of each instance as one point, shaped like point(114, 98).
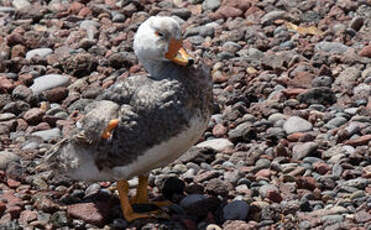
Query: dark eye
point(160, 34)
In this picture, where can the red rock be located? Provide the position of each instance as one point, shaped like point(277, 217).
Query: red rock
point(85, 12)
point(6, 84)
point(21, 125)
point(366, 172)
point(254, 13)
point(26, 78)
point(13, 183)
point(295, 136)
point(228, 12)
point(219, 130)
point(56, 94)
point(33, 116)
point(274, 195)
point(306, 182)
point(264, 173)
point(301, 80)
point(134, 69)
point(14, 211)
point(11, 200)
point(363, 140)
point(27, 216)
point(321, 167)
point(15, 38)
point(107, 84)
point(75, 7)
point(41, 127)
point(363, 217)
point(92, 213)
point(18, 51)
point(240, 4)
point(366, 51)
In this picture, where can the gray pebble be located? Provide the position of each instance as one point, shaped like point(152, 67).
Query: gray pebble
point(49, 81)
point(297, 124)
point(47, 135)
point(42, 52)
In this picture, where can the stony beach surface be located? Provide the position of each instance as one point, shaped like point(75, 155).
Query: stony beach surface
point(288, 145)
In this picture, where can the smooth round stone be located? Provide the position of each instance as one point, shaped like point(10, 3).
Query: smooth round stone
point(86, 24)
point(276, 117)
point(351, 111)
point(211, 4)
point(92, 189)
point(4, 9)
point(317, 107)
point(336, 122)
point(287, 45)
point(301, 150)
point(218, 144)
point(297, 124)
point(6, 116)
point(49, 81)
point(7, 157)
point(42, 52)
point(331, 47)
point(47, 135)
point(19, 4)
point(262, 164)
point(312, 160)
point(191, 199)
point(236, 210)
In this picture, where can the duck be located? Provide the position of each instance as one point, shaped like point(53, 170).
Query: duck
point(143, 122)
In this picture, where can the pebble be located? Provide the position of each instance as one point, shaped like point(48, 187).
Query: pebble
point(331, 47)
point(190, 200)
point(48, 135)
point(236, 210)
point(296, 124)
point(19, 4)
point(336, 122)
point(211, 4)
point(41, 52)
point(6, 116)
point(48, 81)
point(218, 144)
point(301, 150)
point(273, 15)
point(7, 157)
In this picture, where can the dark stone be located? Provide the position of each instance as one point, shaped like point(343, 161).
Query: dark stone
point(236, 210)
point(173, 188)
point(321, 95)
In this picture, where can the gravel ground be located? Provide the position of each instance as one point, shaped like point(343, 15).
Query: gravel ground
point(288, 146)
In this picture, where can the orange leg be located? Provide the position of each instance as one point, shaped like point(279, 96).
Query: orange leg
point(127, 209)
point(141, 196)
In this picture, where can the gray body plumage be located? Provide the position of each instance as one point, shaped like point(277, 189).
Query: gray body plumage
point(151, 111)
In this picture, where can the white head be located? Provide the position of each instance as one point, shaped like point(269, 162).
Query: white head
point(158, 40)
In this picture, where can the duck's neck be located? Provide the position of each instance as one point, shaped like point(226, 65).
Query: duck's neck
point(160, 69)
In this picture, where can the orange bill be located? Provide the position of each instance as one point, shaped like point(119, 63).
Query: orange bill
point(112, 124)
point(176, 53)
